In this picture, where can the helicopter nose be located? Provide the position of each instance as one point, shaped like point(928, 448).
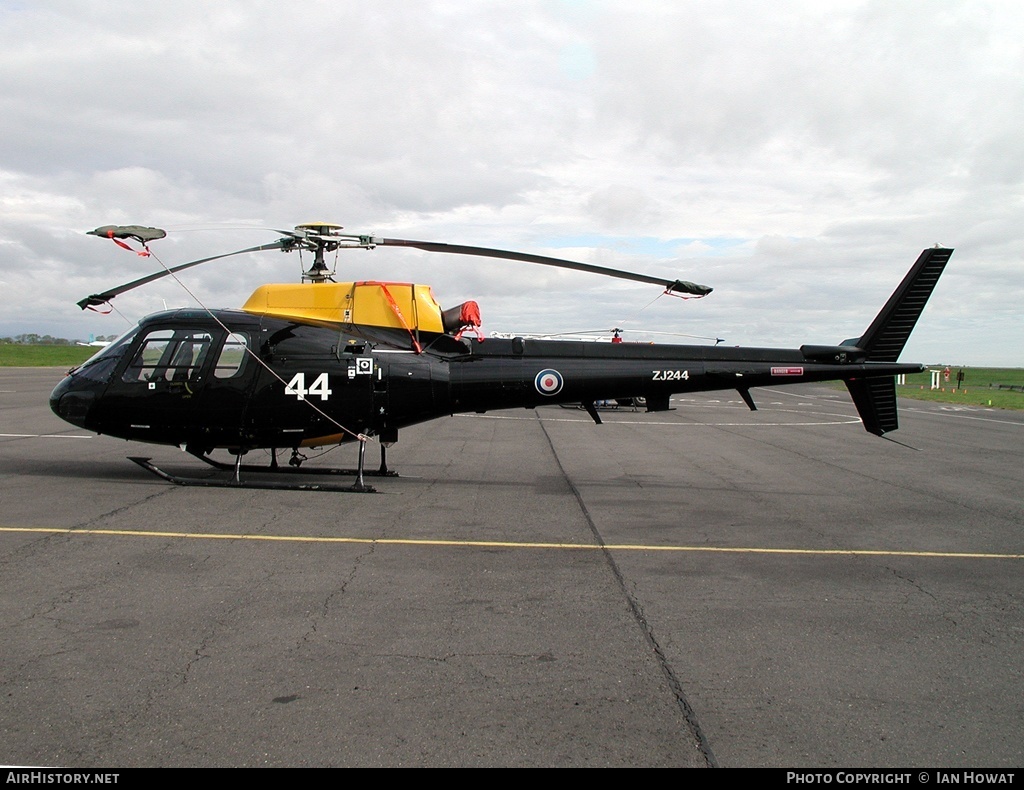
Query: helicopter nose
point(71, 404)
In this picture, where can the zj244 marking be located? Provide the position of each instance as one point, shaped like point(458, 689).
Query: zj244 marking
point(671, 375)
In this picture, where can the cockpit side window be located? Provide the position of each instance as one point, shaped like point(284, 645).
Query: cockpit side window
point(232, 356)
point(169, 355)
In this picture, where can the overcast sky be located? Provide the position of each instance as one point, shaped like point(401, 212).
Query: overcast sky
point(795, 156)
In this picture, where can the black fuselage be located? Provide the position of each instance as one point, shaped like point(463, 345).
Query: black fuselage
point(230, 379)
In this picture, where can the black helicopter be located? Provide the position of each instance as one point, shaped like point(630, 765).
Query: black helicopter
point(321, 362)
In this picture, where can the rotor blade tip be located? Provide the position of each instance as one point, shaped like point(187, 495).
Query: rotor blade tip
point(690, 288)
point(94, 300)
point(140, 232)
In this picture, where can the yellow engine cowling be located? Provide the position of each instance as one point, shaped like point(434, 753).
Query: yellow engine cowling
point(396, 305)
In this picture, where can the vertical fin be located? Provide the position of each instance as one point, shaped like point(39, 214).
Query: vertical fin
point(875, 400)
point(888, 333)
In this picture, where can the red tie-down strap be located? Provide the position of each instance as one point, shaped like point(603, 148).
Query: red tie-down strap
point(143, 253)
point(670, 292)
point(398, 312)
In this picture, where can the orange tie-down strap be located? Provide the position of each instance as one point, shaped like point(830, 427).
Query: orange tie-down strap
point(398, 312)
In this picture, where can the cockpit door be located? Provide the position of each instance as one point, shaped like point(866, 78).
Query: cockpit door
point(178, 383)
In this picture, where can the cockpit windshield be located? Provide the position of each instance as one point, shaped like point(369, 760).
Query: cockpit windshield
point(100, 365)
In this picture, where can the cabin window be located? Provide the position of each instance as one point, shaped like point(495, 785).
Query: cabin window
point(169, 355)
point(232, 356)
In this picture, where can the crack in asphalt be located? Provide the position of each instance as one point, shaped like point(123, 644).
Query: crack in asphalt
point(638, 615)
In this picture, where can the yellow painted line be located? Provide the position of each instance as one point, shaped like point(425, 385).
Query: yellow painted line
point(513, 544)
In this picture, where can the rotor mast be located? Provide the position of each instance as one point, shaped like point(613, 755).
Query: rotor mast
point(323, 237)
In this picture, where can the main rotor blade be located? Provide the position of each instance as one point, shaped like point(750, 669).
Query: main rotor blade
point(102, 298)
point(674, 286)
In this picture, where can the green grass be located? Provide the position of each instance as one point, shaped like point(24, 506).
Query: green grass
point(38, 356)
point(980, 387)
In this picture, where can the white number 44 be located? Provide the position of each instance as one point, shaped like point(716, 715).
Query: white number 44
point(297, 387)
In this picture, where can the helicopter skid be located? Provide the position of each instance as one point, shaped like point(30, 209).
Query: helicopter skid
point(356, 488)
point(295, 470)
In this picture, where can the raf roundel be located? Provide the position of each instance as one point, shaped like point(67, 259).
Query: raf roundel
point(548, 382)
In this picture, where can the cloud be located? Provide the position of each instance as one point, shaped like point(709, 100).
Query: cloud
point(796, 156)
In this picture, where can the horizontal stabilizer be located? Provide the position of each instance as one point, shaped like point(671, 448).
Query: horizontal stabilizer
point(875, 400)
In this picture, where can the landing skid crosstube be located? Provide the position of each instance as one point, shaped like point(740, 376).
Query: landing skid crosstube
point(293, 468)
point(236, 469)
point(278, 485)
